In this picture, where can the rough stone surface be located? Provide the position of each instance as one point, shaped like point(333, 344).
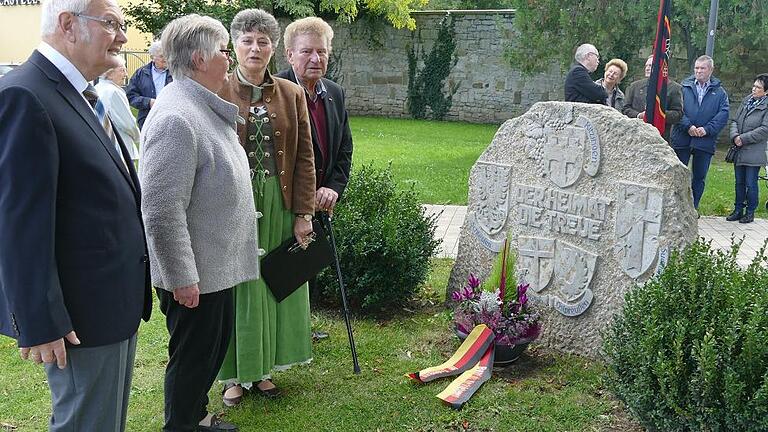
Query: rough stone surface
point(592, 201)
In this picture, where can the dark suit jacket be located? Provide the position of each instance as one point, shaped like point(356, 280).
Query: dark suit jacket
point(141, 89)
point(339, 159)
point(579, 87)
point(73, 253)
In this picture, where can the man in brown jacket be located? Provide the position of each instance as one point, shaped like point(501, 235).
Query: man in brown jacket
point(634, 101)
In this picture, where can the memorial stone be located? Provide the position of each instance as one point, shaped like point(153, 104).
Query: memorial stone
point(593, 203)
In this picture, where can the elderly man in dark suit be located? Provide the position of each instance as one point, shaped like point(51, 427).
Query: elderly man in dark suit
point(579, 86)
point(73, 267)
point(307, 48)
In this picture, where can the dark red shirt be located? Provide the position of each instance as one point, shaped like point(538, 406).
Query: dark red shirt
point(317, 112)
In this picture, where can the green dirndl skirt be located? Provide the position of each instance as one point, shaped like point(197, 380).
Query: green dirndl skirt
point(268, 335)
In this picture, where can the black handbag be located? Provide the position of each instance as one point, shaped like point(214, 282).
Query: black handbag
point(730, 157)
point(288, 266)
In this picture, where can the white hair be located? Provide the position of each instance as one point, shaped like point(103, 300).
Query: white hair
point(155, 49)
point(190, 34)
point(106, 73)
point(706, 59)
point(49, 18)
point(583, 50)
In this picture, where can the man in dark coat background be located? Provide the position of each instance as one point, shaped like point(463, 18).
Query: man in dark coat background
point(634, 103)
point(147, 82)
point(307, 48)
point(73, 266)
point(579, 86)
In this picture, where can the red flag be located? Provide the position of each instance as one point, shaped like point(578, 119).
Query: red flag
point(656, 102)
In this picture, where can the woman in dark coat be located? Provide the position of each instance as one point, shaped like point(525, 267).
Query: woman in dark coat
point(749, 132)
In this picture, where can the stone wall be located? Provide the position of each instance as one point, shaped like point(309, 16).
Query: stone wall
point(371, 62)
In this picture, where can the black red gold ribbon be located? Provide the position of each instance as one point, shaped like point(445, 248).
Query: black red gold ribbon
point(473, 360)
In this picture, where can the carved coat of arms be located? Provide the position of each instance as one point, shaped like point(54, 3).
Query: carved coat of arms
point(564, 148)
point(489, 214)
point(638, 223)
point(558, 273)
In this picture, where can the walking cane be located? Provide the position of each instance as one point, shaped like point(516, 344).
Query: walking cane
point(326, 220)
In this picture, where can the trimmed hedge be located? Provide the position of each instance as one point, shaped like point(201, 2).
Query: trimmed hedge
point(690, 350)
point(384, 242)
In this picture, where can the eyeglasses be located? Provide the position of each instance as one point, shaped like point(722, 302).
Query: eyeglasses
point(597, 56)
point(109, 24)
point(226, 52)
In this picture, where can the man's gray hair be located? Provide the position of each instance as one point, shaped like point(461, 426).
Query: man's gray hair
point(255, 20)
point(708, 59)
point(155, 49)
point(49, 18)
point(106, 73)
point(188, 35)
point(582, 51)
point(309, 25)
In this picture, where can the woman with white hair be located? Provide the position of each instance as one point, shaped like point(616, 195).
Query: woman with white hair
point(115, 102)
point(199, 216)
point(269, 335)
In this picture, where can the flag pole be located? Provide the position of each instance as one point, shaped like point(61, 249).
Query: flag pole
point(714, 5)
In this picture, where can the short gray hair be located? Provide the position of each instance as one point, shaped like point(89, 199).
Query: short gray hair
point(255, 20)
point(109, 71)
point(708, 59)
point(309, 25)
point(155, 49)
point(188, 35)
point(583, 50)
point(49, 18)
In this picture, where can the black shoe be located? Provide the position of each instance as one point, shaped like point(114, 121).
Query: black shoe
point(318, 335)
point(217, 424)
point(749, 217)
point(734, 216)
point(272, 393)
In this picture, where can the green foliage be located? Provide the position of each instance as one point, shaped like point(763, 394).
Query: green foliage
point(551, 30)
point(425, 85)
point(493, 281)
point(690, 351)
point(152, 15)
point(384, 241)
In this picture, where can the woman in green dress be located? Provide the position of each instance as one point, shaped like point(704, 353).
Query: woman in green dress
point(276, 136)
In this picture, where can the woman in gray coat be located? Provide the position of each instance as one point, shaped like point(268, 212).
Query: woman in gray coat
point(199, 215)
point(749, 132)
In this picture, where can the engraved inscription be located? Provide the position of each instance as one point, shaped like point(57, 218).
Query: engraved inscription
point(536, 259)
point(560, 211)
point(493, 192)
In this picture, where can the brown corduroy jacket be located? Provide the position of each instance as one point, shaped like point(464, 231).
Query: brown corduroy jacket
point(292, 137)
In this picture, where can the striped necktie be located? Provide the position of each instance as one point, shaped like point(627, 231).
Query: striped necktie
point(93, 98)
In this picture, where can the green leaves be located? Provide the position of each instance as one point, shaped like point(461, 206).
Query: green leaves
point(384, 242)
point(690, 350)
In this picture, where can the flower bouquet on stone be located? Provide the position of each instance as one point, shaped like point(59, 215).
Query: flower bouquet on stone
point(500, 303)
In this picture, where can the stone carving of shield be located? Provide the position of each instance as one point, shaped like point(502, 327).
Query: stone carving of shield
point(574, 268)
point(492, 207)
point(535, 261)
point(564, 155)
point(638, 223)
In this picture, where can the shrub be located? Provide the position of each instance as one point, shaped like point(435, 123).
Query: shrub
point(690, 350)
point(384, 242)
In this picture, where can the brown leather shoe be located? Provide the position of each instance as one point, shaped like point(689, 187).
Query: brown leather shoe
point(272, 393)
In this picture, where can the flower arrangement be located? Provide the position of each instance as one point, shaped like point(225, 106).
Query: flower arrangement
point(506, 312)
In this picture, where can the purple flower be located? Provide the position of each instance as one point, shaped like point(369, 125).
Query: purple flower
point(456, 296)
point(473, 282)
point(523, 299)
point(521, 289)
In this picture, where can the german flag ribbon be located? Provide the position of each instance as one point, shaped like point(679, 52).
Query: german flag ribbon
point(473, 361)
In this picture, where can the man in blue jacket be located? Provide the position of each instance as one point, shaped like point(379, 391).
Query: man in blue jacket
point(705, 114)
point(147, 82)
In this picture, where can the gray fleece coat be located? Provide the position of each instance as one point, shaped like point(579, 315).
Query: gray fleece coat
point(197, 202)
point(752, 127)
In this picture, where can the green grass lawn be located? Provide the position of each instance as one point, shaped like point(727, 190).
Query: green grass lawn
point(436, 158)
point(543, 391)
